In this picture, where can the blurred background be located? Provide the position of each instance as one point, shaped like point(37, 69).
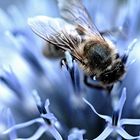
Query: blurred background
point(24, 69)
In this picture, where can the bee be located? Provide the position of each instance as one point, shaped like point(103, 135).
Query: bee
point(76, 33)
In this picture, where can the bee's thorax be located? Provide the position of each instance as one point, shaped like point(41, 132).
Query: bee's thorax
point(97, 55)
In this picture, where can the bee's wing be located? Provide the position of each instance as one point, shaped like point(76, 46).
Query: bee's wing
point(74, 12)
point(57, 32)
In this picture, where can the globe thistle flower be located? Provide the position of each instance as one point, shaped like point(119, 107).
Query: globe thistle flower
point(115, 123)
point(46, 121)
point(24, 70)
point(76, 134)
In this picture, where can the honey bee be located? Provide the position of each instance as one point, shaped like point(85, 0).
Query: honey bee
point(76, 33)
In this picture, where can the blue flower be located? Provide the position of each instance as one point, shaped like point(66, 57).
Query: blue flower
point(115, 123)
point(47, 121)
point(63, 86)
point(76, 134)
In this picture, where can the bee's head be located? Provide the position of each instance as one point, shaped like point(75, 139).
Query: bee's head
point(112, 74)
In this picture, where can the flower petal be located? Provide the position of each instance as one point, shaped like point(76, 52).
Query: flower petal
point(130, 121)
point(129, 49)
point(105, 117)
point(49, 116)
point(107, 131)
point(39, 103)
point(47, 103)
point(37, 98)
point(9, 78)
point(120, 105)
point(22, 125)
point(77, 82)
point(36, 135)
point(11, 122)
point(125, 135)
point(54, 132)
point(76, 134)
point(69, 59)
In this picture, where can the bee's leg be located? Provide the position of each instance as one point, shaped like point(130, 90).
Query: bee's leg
point(97, 86)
